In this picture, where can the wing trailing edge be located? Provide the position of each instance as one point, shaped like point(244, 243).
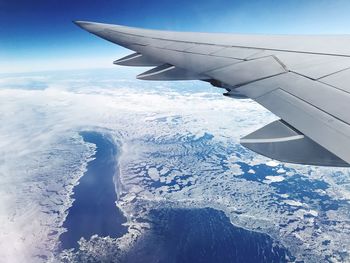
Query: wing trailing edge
point(302, 79)
point(280, 141)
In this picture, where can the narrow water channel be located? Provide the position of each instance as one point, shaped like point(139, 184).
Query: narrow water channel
point(94, 210)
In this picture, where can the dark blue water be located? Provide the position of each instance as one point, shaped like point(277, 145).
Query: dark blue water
point(297, 186)
point(203, 236)
point(94, 210)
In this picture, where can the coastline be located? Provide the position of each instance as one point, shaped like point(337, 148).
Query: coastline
point(93, 210)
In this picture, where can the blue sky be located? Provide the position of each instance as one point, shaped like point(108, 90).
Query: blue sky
point(39, 34)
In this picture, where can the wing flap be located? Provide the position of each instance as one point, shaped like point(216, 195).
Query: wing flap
point(328, 99)
point(247, 71)
point(331, 133)
point(279, 141)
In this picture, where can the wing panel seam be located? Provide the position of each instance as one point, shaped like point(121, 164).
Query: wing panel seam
point(250, 47)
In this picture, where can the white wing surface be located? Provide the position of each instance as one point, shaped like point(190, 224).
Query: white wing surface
point(304, 80)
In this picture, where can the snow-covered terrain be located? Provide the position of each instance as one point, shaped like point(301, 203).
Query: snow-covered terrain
point(179, 148)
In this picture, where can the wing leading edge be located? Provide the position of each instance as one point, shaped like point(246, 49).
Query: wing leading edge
point(301, 79)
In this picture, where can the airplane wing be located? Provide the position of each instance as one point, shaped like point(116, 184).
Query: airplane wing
point(304, 80)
